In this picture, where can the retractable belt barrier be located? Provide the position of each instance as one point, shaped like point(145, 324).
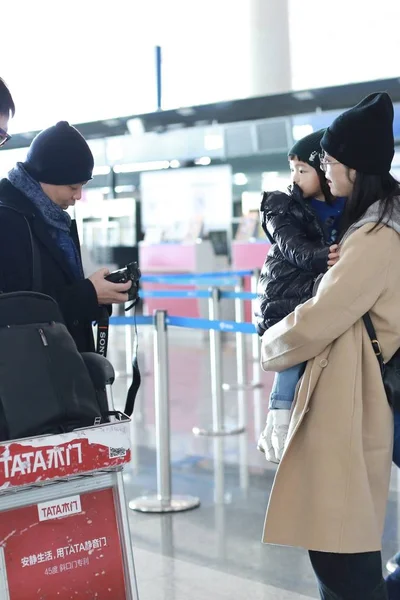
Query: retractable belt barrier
point(219, 279)
point(162, 277)
point(190, 280)
point(239, 327)
point(189, 323)
point(164, 501)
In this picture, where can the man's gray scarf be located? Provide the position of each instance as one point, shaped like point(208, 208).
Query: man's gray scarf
point(58, 220)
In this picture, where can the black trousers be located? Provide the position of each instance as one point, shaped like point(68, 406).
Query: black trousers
point(349, 576)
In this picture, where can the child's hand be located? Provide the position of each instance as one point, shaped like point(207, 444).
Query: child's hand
point(333, 255)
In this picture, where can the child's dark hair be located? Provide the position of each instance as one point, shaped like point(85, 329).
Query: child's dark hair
point(329, 199)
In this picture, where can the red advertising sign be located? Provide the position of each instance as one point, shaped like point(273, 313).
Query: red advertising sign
point(46, 458)
point(67, 548)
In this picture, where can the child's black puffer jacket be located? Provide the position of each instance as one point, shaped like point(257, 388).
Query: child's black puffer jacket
point(298, 254)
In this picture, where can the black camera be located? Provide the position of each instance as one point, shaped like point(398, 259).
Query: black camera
point(129, 273)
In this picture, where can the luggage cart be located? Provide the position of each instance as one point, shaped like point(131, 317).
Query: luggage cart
point(64, 530)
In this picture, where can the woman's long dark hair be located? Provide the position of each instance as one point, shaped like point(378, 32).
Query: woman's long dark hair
point(325, 189)
point(367, 190)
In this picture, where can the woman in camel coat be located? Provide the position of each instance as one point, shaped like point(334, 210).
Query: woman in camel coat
point(331, 488)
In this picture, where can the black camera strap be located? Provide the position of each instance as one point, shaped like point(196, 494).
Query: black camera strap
point(103, 327)
point(136, 378)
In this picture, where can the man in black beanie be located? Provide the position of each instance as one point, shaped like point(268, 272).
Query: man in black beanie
point(58, 164)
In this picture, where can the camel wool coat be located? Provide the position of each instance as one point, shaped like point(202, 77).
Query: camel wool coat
point(331, 487)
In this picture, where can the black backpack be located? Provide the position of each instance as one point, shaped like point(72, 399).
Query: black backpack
point(45, 386)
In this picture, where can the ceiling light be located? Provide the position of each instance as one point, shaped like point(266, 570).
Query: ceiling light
point(185, 111)
point(213, 141)
point(240, 179)
point(174, 164)
point(155, 165)
point(302, 96)
point(123, 189)
point(204, 161)
point(136, 127)
point(111, 122)
point(300, 131)
point(105, 170)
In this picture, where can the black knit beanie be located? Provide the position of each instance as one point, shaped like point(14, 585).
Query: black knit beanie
point(308, 149)
point(60, 155)
point(362, 137)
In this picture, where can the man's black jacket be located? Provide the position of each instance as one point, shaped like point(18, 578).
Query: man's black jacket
point(77, 299)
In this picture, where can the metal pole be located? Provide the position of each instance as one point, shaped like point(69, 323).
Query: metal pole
point(161, 395)
point(216, 363)
point(128, 346)
point(216, 374)
point(241, 354)
point(219, 496)
point(163, 502)
point(240, 339)
point(129, 566)
point(256, 346)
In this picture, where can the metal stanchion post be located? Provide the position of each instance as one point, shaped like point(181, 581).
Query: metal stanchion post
point(128, 346)
point(163, 502)
point(256, 340)
point(241, 359)
point(256, 347)
point(219, 496)
point(216, 374)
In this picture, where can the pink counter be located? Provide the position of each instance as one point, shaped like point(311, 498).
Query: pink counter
point(173, 259)
point(194, 258)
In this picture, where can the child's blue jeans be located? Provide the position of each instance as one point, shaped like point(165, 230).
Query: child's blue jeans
point(284, 388)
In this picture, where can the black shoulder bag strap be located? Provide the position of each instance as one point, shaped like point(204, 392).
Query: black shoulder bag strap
point(36, 264)
point(374, 340)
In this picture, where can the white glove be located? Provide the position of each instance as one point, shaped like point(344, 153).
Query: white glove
point(273, 438)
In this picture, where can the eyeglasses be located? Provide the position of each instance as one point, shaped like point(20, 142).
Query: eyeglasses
point(4, 137)
point(323, 163)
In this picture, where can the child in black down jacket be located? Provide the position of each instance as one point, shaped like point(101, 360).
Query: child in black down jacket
point(302, 227)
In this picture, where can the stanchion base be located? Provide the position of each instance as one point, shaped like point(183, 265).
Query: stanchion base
point(241, 387)
point(154, 504)
point(216, 432)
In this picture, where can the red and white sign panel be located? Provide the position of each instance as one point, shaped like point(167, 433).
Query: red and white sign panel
point(67, 548)
point(47, 458)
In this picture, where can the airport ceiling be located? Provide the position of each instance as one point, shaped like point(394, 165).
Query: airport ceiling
point(249, 109)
